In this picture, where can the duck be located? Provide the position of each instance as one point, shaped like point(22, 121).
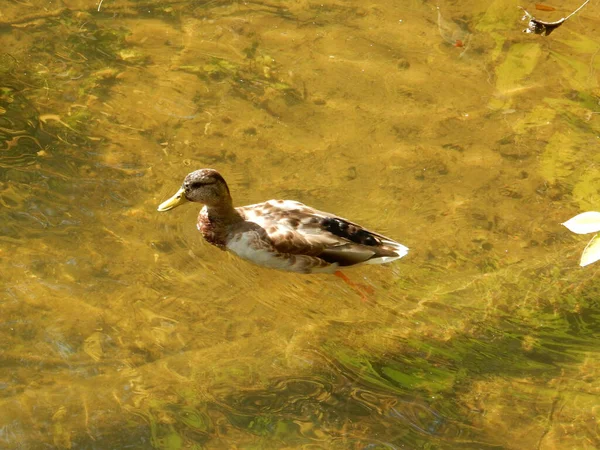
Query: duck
point(280, 234)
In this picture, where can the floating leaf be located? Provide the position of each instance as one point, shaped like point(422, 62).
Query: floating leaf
point(591, 253)
point(584, 223)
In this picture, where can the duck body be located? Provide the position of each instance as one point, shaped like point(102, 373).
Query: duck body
point(281, 234)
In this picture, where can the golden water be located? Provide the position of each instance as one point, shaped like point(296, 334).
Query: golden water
point(121, 328)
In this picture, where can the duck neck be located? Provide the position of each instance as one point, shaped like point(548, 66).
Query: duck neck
point(223, 213)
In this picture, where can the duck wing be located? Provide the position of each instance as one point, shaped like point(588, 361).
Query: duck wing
point(297, 229)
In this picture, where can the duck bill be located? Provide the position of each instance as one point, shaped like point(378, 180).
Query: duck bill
point(173, 202)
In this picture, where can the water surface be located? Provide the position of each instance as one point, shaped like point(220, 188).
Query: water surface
point(447, 129)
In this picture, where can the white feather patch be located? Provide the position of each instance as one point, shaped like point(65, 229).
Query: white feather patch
point(248, 246)
point(397, 247)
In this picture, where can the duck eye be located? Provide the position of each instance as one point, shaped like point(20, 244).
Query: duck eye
point(196, 185)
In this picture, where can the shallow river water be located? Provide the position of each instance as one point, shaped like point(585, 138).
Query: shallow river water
point(442, 125)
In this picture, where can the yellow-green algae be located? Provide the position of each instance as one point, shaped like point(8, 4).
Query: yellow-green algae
point(122, 329)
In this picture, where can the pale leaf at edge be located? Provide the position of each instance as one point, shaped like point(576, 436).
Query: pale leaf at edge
point(591, 253)
point(584, 223)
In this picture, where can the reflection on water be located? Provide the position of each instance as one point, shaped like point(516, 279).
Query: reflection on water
point(122, 329)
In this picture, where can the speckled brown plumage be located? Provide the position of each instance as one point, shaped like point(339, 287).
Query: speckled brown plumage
point(213, 231)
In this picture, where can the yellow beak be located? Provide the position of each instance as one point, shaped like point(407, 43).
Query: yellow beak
point(173, 202)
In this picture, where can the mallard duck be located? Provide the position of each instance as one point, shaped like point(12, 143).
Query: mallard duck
point(280, 234)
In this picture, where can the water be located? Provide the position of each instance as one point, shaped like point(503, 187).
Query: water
point(121, 328)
